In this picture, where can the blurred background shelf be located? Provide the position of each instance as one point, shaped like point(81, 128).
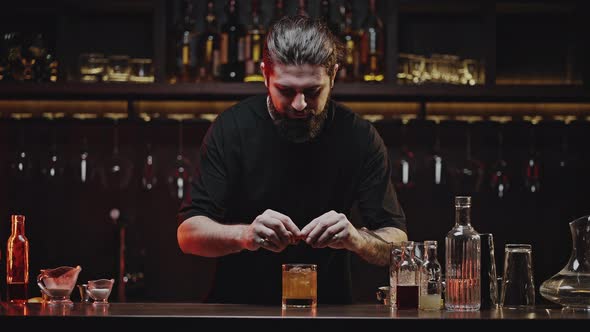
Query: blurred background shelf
point(342, 91)
point(531, 51)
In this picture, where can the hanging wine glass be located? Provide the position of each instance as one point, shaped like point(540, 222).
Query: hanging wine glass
point(469, 174)
point(115, 170)
point(180, 176)
point(499, 179)
point(148, 174)
point(52, 168)
point(405, 165)
point(121, 224)
point(532, 176)
point(21, 166)
point(564, 155)
point(82, 166)
point(437, 163)
point(568, 159)
point(560, 173)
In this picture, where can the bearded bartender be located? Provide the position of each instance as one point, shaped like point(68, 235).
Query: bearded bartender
point(278, 175)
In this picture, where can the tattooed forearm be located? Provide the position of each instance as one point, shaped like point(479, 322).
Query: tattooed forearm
point(376, 249)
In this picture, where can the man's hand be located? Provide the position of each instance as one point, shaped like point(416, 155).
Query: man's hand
point(271, 230)
point(332, 230)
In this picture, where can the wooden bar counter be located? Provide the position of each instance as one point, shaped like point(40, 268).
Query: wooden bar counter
point(85, 317)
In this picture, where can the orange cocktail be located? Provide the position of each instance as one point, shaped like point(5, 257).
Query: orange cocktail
point(300, 286)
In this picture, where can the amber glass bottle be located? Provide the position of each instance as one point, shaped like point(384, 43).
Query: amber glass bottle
point(372, 46)
point(17, 262)
point(208, 47)
point(254, 46)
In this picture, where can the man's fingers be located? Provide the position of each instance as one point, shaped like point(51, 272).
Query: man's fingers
point(288, 224)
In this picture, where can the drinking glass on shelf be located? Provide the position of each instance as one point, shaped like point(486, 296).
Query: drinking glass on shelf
point(92, 67)
point(417, 69)
point(469, 72)
point(118, 68)
point(142, 70)
point(403, 69)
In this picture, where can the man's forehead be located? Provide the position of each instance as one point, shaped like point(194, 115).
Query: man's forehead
point(302, 76)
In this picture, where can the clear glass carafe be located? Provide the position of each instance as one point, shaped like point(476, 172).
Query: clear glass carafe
point(462, 261)
point(570, 287)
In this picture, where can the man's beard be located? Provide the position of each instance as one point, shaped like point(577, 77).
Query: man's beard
point(299, 130)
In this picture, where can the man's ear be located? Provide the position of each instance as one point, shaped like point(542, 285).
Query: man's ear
point(333, 78)
point(264, 73)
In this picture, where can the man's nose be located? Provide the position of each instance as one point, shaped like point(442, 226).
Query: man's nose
point(299, 103)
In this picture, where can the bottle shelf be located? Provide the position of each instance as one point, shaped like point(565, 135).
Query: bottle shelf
point(211, 91)
point(480, 30)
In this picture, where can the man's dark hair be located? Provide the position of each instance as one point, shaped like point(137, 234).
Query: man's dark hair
point(298, 40)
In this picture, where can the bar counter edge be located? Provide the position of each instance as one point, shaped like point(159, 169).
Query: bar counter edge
point(89, 317)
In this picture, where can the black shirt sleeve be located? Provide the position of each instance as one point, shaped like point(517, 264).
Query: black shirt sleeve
point(209, 186)
point(378, 204)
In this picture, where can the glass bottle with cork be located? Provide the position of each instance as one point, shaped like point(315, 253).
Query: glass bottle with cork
point(430, 278)
point(17, 262)
point(407, 278)
point(463, 261)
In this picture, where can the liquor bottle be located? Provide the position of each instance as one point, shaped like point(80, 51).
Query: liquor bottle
point(302, 8)
point(326, 16)
point(372, 46)
point(208, 46)
point(231, 48)
point(45, 65)
point(17, 262)
point(13, 67)
point(254, 46)
point(463, 261)
point(349, 70)
point(186, 53)
point(407, 278)
point(430, 278)
point(278, 12)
